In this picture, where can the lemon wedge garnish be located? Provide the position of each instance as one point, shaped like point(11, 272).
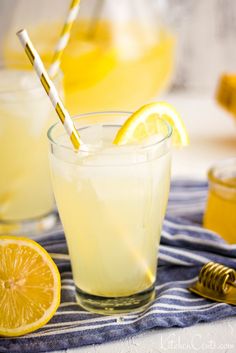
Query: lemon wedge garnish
point(29, 286)
point(146, 122)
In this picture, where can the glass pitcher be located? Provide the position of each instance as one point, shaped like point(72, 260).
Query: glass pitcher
point(120, 54)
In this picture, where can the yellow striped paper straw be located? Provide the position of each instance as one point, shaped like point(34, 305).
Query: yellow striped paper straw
point(49, 87)
point(64, 37)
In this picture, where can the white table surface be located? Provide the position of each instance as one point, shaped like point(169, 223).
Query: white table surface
point(213, 137)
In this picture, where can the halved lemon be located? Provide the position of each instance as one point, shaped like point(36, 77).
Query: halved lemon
point(146, 122)
point(29, 286)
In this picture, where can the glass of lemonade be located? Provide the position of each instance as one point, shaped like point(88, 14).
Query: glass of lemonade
point(112, 201)
point(26, 199)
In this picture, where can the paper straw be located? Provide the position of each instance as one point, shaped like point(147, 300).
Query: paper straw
point(49, 88)
point(64, 37)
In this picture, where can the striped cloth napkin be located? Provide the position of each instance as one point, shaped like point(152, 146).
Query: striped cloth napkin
point(185, 247)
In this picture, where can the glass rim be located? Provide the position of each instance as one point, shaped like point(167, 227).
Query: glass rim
point(219, 166)
point(106, 112)
point(27, 69)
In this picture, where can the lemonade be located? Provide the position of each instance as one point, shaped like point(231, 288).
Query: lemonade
point(25, 191)
point(112, 201)
point(119, 66)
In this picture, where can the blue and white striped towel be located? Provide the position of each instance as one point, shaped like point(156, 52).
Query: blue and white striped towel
point(185, 247)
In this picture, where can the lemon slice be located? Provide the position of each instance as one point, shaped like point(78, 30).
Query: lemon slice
point(146, 122)
point(29, 286)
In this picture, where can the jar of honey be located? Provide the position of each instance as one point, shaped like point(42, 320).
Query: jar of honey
point(220, 214)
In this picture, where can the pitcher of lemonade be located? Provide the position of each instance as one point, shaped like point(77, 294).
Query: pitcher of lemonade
point(120, 54)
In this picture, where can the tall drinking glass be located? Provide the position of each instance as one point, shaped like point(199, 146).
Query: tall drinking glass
point(26, 199)
point(112, 200)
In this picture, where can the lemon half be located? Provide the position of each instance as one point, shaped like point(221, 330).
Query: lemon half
point(29, 286)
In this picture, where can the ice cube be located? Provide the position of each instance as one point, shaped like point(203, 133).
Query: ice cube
point(22, 97)
point(92, 135)
point(153, 139)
